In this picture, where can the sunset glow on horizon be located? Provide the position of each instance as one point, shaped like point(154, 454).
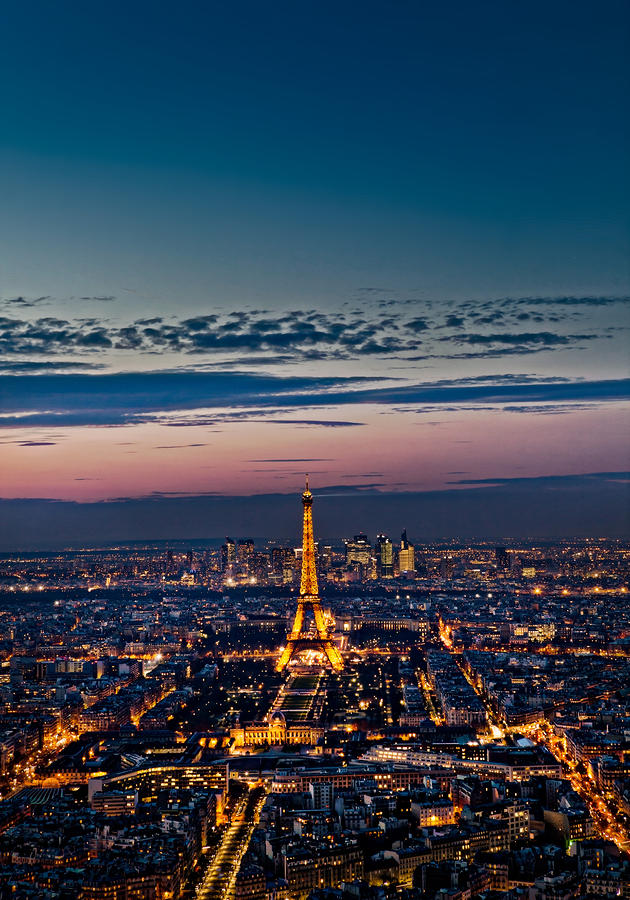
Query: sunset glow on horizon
point(385, 247)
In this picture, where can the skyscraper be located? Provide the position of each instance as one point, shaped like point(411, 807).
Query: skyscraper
point(358, 550)
point(284, 564)
point(406, 555)
point(228, 554)
point(324, 552)
point(384, 550)
point(244, 552)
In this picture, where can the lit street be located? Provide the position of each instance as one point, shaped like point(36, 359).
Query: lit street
point(220, 876)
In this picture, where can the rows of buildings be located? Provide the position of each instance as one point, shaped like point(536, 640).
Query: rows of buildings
point(475, 743)
point(589, 566)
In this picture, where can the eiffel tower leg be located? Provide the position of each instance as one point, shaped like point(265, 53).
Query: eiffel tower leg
point(334, 656)
point(320, 624)
point(285, 656)
point(299, 619)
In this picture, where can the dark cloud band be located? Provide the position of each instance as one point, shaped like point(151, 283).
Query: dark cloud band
point(122, 399)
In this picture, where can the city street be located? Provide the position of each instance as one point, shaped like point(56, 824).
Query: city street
point(220, 876)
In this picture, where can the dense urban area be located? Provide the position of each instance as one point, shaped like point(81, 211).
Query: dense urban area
point(474, 741)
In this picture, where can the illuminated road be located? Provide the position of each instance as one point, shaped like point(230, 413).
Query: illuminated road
point(428, 699)
point(542, 733)
point(603, 817)
point(31, 771)
point(496, 728)
point(220, 876)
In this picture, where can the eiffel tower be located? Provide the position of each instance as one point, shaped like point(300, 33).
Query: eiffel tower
point(300, 638)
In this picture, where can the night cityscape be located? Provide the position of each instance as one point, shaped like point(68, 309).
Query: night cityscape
point(314, 450)
point(199, 722)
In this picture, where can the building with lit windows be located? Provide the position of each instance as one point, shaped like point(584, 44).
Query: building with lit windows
point(359, 550)
point(275, 731)
point(384, 552)
point(406, 555)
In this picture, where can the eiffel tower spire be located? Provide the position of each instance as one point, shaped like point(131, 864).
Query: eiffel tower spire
point(299, 639)
point(308, 583)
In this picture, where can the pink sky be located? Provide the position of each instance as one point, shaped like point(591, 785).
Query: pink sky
point(398, 451)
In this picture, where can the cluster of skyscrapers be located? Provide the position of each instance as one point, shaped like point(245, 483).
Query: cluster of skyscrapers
point(360, 560)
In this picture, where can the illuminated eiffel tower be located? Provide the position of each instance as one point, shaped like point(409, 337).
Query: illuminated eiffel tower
point(300, 639)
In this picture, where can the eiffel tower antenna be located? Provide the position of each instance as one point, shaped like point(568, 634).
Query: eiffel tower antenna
point(299, 639)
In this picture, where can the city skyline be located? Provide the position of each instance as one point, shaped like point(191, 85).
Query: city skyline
point(315, 507)
point(471, 721)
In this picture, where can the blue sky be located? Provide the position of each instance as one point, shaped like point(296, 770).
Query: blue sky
point(408, 198)
point(288, 152)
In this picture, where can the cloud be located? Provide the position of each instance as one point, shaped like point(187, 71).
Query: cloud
point(131, 398)
point(506, 378)
point(322, 423)
point(531, 408)
point(248, 337)
point(25, 302)
point(36, 366)
point(496, 353)
point(417, 325)
point(301, 334)
point(490, 318)
point(490, 391)
point(567, 300)
point(524, 480)
point(523, 339)
point(346, 489)
point(178, 446)
point(294, 459)
point(96, 338)
point(548, 409)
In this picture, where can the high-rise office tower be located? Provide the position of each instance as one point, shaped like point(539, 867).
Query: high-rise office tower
point(228, 554)
point(358, 550)
point(384, 550)
point(244, 553)
point(406, 555)
point(324, 553)
point(259, 567)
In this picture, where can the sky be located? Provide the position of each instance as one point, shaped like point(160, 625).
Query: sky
point(387, 244)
